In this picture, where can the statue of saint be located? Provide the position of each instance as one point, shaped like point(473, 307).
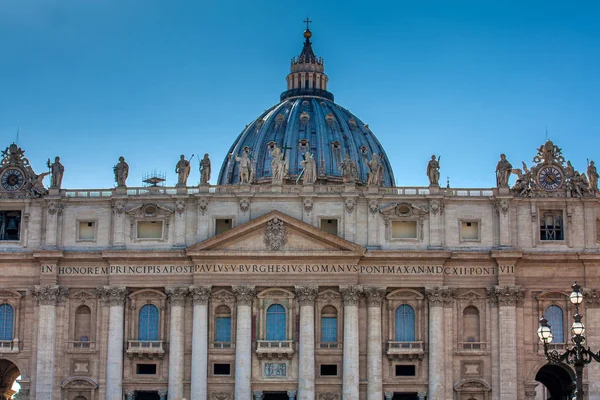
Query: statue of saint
point(277, 165)
point(182, 169)
point(348, 168)
point(569, 170)
point(592, 175)
point(309, 172)
point(375, 170)
point(57, 170)
point(121, 171)
point(503, 170)
point(245, 166)
point(433, 171)
point(205, 170)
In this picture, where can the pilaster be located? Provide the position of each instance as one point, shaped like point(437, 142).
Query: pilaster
point(177, 296)
point(350, 371)
point(200, 297)
point(374, 296)
point(592, 333)
point(306, 346)
point(244, 295)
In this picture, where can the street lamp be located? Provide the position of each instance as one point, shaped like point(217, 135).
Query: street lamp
point(578, 355)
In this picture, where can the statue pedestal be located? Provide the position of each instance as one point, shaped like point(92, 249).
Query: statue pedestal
point(434, 189)
point(204, 188)
point(244, 187)
point(54, 192)
point(122, 190)
point(276, 188)
point(308, 189)
point(181, 190)
point(349, 187)
point(503, 191)
point(373, 189)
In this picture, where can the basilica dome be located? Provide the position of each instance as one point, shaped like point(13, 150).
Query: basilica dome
point(306, 120)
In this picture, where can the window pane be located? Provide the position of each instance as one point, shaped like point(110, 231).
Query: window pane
point(148, 323)
point(328, 329)
point(405, 323)
point(276, 321)
point(554, 315)
point(223, 326)
point(6, 322)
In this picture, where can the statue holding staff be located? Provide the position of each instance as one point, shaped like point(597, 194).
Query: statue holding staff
point(58, 171)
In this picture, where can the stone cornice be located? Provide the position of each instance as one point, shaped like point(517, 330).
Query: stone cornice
point(200, 294)
point(50, 295)
point(440, 296)
point(505, 296)
point(374, 295)
point(177, 295)
point(351, 294)
point(306, 294)
point(244, 294)
point(112, 295)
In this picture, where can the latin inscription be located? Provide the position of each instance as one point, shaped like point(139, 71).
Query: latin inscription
point(149, 270)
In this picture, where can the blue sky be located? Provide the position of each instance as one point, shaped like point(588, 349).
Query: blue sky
point(93, 80)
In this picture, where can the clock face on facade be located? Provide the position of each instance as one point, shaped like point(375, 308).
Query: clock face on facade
point(550, 177)
point(12, 179)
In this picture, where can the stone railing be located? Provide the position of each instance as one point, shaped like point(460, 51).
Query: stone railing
point(9, 346)
point(146, 348)
point(77, 345)
point(222, 345)
point(274, 348)
point(405, 350)
point(330, 345)
point(473, 345)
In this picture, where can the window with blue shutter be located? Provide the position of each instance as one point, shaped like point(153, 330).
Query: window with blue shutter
point(554, 315)
point(7, 317)
point(405, 323)
point(276, 322)
point(148, 323)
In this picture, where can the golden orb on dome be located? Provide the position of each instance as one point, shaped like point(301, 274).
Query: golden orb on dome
point(307, 34)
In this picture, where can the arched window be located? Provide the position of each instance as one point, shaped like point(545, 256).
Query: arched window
point(83, 324)
point(223, 324)
point(329, 323)
point(471, 327)
point(405, 323)
point(276, 322)
point(148, 323)
point(7, 318)
point(554, 315)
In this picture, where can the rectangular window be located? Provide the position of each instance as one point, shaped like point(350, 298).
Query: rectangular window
point(405, 370)
point(145, 369)
point(329, 225)
point(221, 369)
point(86, 231)
point(329, 370)
point(223, 329)
point(10, 225)
point(404, 229)
point(149, 229)
point(222, 225)
point(551, 226)
point(328, 329)
point(469, 230)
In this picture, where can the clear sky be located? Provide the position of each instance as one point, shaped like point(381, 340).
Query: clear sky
point(96, 79)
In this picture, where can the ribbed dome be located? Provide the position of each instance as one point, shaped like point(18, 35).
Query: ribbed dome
point(303, 124)
point(307, 119)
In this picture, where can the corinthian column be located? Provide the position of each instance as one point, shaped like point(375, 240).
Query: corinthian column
point(244, 295)
point(436, 298)
point(374, 297)
point(306, 349)
point(350, 374)
point(114, 297)
point(200, 296)
point(592, 318)
point(177, 296)
point(507, 299)
point(47, 298)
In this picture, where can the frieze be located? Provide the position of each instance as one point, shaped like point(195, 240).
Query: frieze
point(351, 294)
point(177, 295)
point(374, 295)
point(112, 295)
point(200, 294)
point(438, 296)
point(50, 295)
point(306, 294)
point(244, 294)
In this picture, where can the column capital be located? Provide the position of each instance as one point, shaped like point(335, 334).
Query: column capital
point(291, 394)
point(374, 295)
point(422, 395)
point(505, 296)
point(177, 294)
point(306, 294)
point(50, 294)
point(162, 394)
point(130, 394)
point(439, 296)
point(112, 295)
point(388, 395)
point(200, 294)
point(351, 294)
point(244, 294)
point(592, 298)
point(257, 394)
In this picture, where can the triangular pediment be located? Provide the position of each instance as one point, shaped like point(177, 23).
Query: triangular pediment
point(276, 232)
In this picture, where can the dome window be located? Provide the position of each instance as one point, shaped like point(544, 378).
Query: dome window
point(352, 124)
point(279, 120)
point(304, 118)
point(303, 145)
point(271, 145)
point(330, 119)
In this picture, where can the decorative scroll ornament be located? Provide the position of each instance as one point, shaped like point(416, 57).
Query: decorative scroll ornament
point(244, 294)
point(308, 204)
point(501, 206)
point(374, 295)
point(203, 205)
point(177, 295)
point(592, 298)
point(549, 153)
point(244, 205)
point(306, 294)
point(55, 207)
point(435, 206)
point(506, 296)
point(373, 206)
point(200, 294)
point(118, 207)
point(180, 206)
point(221, 396)
point(351, 294)
point(112, 295)
point(349, 204)
point(328, 396)
point(50, 295)
point(438, 296)
point(275, 234)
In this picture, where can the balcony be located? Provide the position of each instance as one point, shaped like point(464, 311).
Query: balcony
point(222, 345)
point(146, 348)
point(476, 346)
point(405, 350)
point(274, 348)
point(9, 346)
point(81, 346)
point(330, 346)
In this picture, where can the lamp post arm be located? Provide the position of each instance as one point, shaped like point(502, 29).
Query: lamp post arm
point(554, 357)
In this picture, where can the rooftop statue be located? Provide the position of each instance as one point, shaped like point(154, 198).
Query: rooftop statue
point(277, 165)
point(433, 171)
point(348, 168)
point(205, 170)
point(121, 171)
point(182, 168)
point(375, 175)
point(245, 166)
point(309, 169)
point(503, 170)
point(57, 170)
point(593, 177)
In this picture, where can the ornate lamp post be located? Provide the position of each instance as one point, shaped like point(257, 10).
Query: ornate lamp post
point(578, 355)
